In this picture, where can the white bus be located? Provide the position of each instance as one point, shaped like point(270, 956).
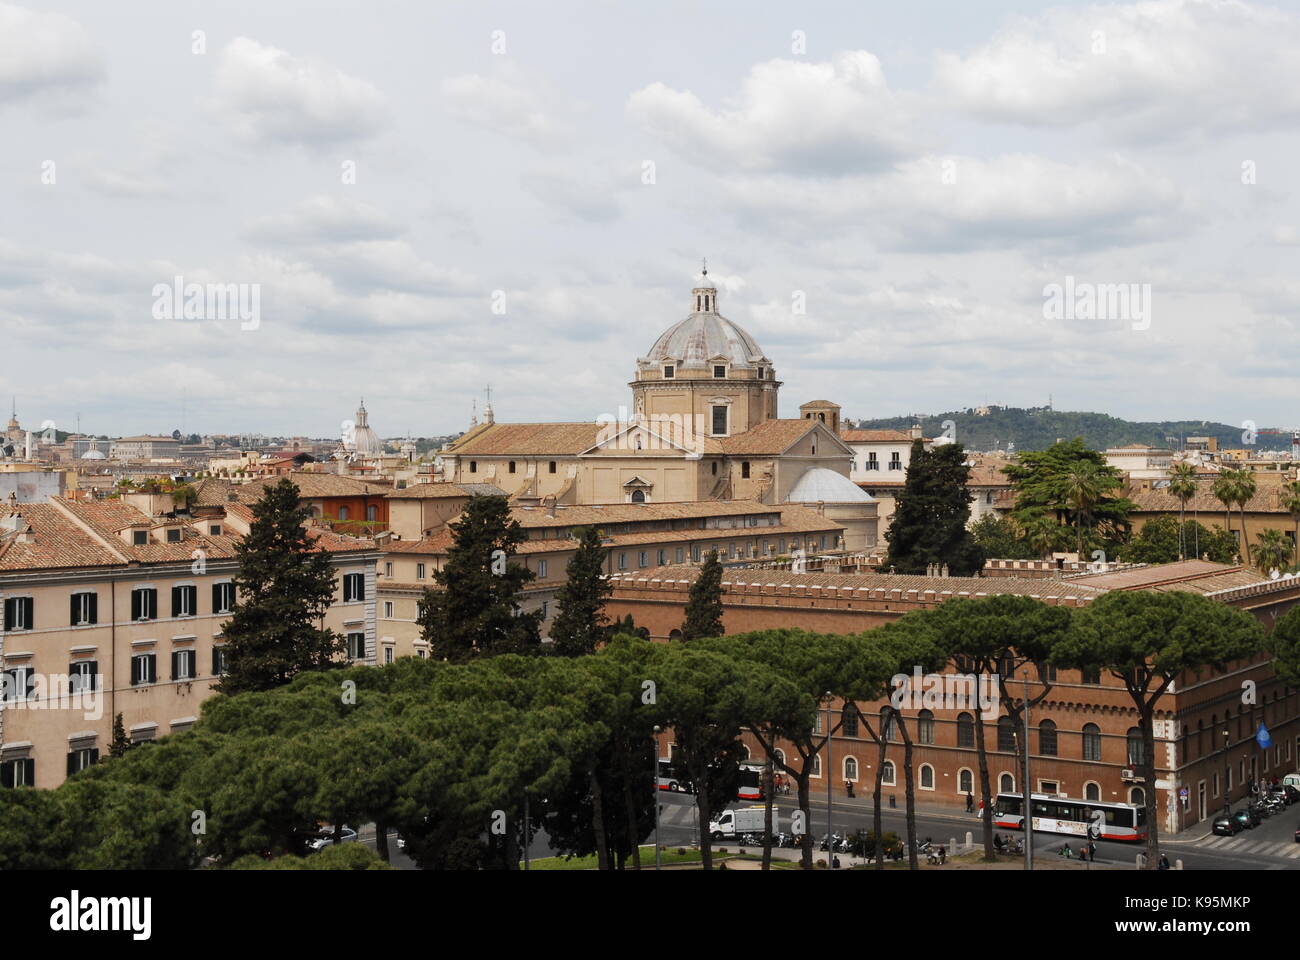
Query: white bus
point(1053, 814)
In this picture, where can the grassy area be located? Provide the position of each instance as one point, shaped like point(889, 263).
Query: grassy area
point(669, 856)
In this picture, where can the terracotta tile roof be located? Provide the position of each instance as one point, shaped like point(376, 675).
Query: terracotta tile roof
point(528, 439)
point(314, 485)
point(579, 516)
point(885, 581)
point(875, 436)
point(211, 492)
point(58, 543)
point(1160, 500)
point(436, 491)
point(1156, 575)
point(769, 437)
point(108, 517)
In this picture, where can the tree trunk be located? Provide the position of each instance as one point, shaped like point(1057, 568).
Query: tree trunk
point(629, 806)
point(1182, 522)
point(381, 840)
point(702, 805)
point(805, 806)
point(1149, 788)
point(990, 852)
point(598, 823)
point(910, 788)
point(768, 800)
point(877, 817)
point(1244, 537)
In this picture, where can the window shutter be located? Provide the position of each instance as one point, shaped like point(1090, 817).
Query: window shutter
point(76, 604)
point(94, 608)
point(9, 614)
point(94, 754)
point(216, 597)
point(7, 773)
point(29, 768)
point(135, 670)
point(176, 664)
point(136, 598)
point(151, 667)
point(72, 763)
point(176, 601)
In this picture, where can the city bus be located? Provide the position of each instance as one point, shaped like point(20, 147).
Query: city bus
point(669, 780)
point(1053, 814)
point(751, 782)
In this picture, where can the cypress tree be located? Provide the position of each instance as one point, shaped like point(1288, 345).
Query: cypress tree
point(477, 612)
point(581, 624)
point(704, 608)
point(120, 744)
point(929, 523)
point(284, 587)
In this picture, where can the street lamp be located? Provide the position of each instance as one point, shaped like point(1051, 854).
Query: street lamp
point(1227, 804)
point(654, 785)
point(830, 846)
point(1027, 809)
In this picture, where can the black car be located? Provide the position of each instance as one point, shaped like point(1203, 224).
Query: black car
point(1248, 819)
point(1226, 827)
point(1287, 792)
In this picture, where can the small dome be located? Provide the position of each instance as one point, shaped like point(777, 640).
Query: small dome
point(821, 484)
point(94, 455)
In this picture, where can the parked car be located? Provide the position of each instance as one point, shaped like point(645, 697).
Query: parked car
point(1287, 792)
point(1226, 827)
point(1248, 819)
point(320, 843)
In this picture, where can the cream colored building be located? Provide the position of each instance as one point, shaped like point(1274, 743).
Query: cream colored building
point(131, 597)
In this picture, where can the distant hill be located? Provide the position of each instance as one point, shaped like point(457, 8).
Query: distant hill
point(1037, 428)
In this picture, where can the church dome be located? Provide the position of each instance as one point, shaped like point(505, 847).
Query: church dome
point(364, 440)
point(705, 336)
point(823, 485)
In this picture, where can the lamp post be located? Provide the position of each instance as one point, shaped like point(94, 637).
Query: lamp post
point(830, 846)
point(654, 785)
point(1027, 810)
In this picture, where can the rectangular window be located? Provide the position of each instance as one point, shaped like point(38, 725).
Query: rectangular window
point(218, 661)
point(144, 669)
point(663, 557)
point(641, 558)
point(895, 463)
point(551, 467)
point(173, 535)
point(356, 646)
point(144, 603)
point(680, 555)
point(512, 466)
point(695, 553)
point(185, 601)
point(388, 568)
point(82, 674)
point(140, 538)
point(388, 609)
point(18, 613)
point(79, 760)
point(744, 469)
point(85, 609)
point(354, 587)
point(872, 463)
point(719, 420)
point(184, 666)
point(18, 683)
point(546, 610)
point(622, 561)
point(388, 654)
point(473, 466)
point(1049, 786)
point(223, 597)
point(669, 373)
point(541, 569)
point(18, 773)
point(719, 371)
point(419, 571)
point(215, 529)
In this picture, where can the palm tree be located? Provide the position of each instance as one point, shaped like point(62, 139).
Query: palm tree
point(1182, 484)
point(1082, 489)
point(1236, 486)
point(1291, 504)
point(1043, 534)
point(1223, 492)
point(1275, 551)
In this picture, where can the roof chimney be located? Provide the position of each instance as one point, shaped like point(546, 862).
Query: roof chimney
point(915, 433)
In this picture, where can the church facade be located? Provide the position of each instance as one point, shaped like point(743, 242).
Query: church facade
point(704, 425)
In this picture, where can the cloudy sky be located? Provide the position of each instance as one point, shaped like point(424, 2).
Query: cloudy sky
point(432, 197)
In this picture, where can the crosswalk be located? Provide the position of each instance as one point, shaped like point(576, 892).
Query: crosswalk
point(1240, 844)
point(676, 813)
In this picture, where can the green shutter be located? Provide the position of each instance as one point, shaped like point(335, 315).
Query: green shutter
point(72, 617)
point(7, 773)
point(29, 767)
point(72, 762)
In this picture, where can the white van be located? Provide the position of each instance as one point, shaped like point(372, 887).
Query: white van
point(1293, 779)
point(732, 823)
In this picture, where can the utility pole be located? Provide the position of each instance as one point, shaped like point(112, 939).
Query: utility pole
point(654, 785)
point(1027, 808)
point(1227, 805)
point(830, 845)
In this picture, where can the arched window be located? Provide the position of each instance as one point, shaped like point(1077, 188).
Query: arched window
point(674, 634)
point(1091, 742)
point(849, 720)
point(1136, 754)
point(1047, 738)
point(965, 730)
point(851, 769)
point(817, 765)
point(1006, 783)
point(779, 754)
point(888, 723)
point(927, 777)
point(887, 768)
point(1137, 797)
point(1091, 791)
point(638, 496)
point(925, 727)
point(1006, 735)
point(965, 781)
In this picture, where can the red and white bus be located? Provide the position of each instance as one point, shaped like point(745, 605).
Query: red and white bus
point(1053, 814)
point(751, 782)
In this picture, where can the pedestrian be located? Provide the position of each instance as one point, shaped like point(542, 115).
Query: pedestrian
point(1164, 862)
point(848, 788)
point(1092, 851)
point(970, 802)
point(943, 856)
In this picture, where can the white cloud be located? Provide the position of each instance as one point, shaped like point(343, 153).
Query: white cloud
point(270, 96)
point(46, 57)
point(507, 103)
point(820, 118)
point(1147, 70)
point(324, 219)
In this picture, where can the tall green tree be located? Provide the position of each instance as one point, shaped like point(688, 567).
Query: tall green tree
point(1275, 551)
point(284, 586)
point(1075, 488)
point(1236, 487)
point(1182, 484)
point(1159, 541)
point(1291, 504)
point(999, 537)
point(930, 515)
point(580, 624)
point(704, 605)
point(1145, 640)
point(478, 610)
point(121, 743)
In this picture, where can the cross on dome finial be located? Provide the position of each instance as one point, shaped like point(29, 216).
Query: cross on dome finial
point(706, 266)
